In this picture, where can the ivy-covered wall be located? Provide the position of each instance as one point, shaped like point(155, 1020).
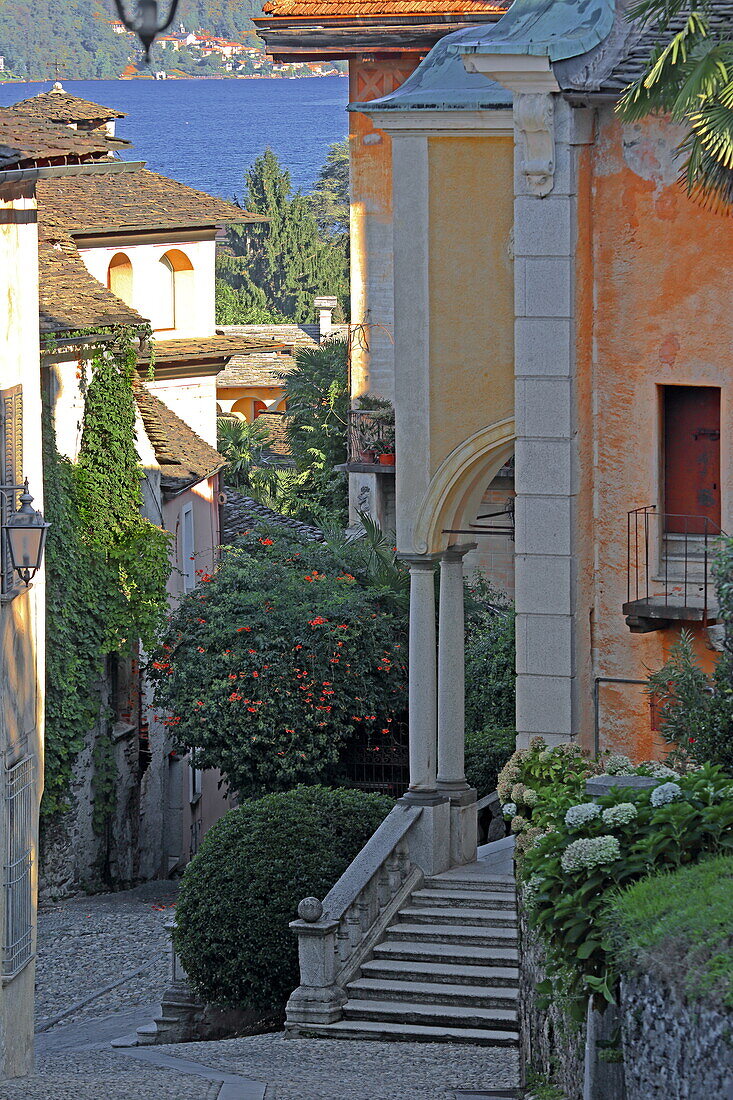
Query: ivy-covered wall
point(106, 573)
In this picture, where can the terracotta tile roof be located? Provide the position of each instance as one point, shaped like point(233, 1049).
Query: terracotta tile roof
point(255, 369)
point(60, 106)
point(132, 201)
point(25, 142)
point(241, 514)
point(336, 9)
point(183, 456)
point(71, 299)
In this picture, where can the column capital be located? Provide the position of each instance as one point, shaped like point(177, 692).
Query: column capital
point(417, 561)
point(458, 551)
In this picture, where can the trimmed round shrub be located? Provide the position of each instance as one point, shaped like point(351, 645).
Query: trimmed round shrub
point(242, 888)
point(487, 751)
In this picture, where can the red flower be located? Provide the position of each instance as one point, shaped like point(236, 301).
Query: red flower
point(318, 621)
point(266, 542)
point(255, 674)
point(234, 697)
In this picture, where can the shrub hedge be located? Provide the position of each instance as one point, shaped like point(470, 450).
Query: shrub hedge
point(242, 888)
point(487, 751)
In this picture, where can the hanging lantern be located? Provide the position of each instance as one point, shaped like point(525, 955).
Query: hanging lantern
point(25, 532)
point(145, 24)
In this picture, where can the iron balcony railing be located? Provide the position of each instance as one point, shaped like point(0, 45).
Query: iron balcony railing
point(668, 559)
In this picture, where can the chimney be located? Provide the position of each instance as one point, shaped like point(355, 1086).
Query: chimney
point(325, 307)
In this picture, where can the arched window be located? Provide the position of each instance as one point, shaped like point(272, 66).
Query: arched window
point(119, 277)
point(176, 304)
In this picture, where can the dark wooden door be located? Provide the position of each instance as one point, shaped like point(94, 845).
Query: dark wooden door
point(692, 458)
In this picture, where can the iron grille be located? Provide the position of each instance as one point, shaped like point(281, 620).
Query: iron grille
point(19, 802)
point(379, 762)
point(11, 463)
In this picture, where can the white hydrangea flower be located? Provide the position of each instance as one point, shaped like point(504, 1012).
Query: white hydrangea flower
point(590, 852)
point(580, 815)
point(667, 792)
point(659, 770)
point(622, 814)
point(617, 764)
point(530, 890)
point(518, 824)
point(545, 757)
point(531, 798)
point(518, 792)
point(509, 809)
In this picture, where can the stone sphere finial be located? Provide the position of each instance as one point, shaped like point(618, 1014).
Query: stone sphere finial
point(310, 909)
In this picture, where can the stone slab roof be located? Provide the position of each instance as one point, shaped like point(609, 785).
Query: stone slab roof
point(276, 425)
point(131, 202)
point(59, 105)
point(241, 514)
point(255, 369)
point(335, 9)
point(70, 299)
point(183, 456)
point(208, 347)
point(289, 334)
point(26, 141)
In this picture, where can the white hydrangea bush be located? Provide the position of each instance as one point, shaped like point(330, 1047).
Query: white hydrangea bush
point(623, 814)
point(665, 793)
point(509, 809)
point(580, 815)
point(590, 852)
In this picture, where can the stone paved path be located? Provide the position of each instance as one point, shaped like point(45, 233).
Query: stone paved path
point(86, 944)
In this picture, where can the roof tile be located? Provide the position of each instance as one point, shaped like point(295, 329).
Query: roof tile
point(59, 105)
point(25, 141)
point(331, 9)
point(183, 456)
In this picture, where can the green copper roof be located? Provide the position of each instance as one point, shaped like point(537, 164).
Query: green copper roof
point(557, 29)
point(440, 83)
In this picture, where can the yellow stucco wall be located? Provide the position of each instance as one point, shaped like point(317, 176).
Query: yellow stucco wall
point(471, 288)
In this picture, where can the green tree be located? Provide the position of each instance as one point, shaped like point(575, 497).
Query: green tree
point(690, 77)
point(244, 446)
point(330, 196)
point(317, 400)
point(284, 263)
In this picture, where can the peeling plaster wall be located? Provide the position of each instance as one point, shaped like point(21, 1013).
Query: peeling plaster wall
point(659, 314)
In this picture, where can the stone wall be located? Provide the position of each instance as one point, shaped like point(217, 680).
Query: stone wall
point(551, 1044)
point(674, 1050)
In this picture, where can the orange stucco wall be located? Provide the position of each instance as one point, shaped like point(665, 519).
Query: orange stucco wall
point(471, 287)
point(371, 226)
point(653, 309)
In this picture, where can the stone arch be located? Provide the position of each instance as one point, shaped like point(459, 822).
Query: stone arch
point(457, 486)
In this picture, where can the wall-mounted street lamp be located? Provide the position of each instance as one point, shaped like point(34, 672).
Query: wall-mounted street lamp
point(145, 22)
point(25, 532)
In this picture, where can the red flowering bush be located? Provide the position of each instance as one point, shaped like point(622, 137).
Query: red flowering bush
point(275, 662)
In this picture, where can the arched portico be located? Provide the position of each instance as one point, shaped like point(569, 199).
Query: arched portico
point(436, 711)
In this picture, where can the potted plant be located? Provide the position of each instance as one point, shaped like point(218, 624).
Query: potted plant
point(376, 430)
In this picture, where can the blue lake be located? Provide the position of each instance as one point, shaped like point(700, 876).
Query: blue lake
point(206, 133)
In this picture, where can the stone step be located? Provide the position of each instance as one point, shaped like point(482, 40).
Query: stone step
point(451, 880)
point(414, 970)
point(412, 1033)
point(474, 918)
point(452, 934)
point(433, 993)
point(412, 1012)
point(465, 899)
point(446, 953)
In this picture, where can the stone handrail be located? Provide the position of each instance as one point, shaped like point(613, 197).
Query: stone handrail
point(335, 936)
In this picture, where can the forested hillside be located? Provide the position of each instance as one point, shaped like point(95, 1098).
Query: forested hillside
point(74, 38)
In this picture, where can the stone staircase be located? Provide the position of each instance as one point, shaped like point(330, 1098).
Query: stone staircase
point(446, 969)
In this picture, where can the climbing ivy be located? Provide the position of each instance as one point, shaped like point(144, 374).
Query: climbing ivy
point(106, 567)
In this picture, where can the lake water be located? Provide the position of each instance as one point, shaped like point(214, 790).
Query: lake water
point(206, 133)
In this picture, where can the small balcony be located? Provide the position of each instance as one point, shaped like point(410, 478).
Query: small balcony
point(371, 441)
point(669, 570)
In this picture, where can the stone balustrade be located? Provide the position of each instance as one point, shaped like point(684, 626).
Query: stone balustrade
point(336, 936)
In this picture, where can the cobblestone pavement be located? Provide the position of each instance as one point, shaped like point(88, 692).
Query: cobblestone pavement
point(350, 1069)
point(88, 942)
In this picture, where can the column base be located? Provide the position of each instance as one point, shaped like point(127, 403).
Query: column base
point(459, 793)
point(423, 798)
